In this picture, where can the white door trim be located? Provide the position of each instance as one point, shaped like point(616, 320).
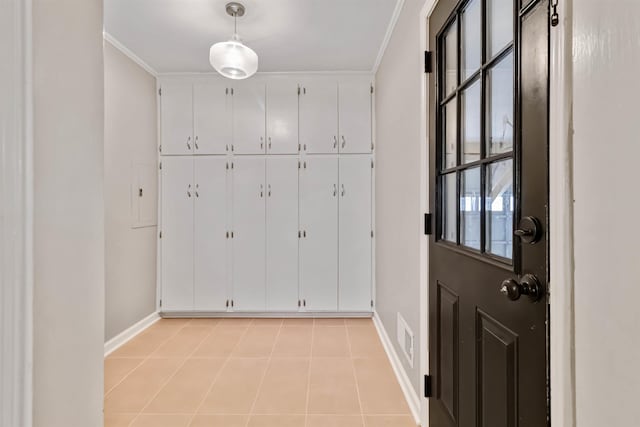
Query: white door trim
point(562, 360)
point(16, 215)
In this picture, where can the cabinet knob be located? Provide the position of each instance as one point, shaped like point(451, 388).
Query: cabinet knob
point(269, 143)
point(344, 141)
point(196, 143)
point(189, 143)
point(342, 186)
point(335, 190)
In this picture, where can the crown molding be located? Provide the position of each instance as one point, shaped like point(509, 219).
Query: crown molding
point(125, 50)
point(388, 34)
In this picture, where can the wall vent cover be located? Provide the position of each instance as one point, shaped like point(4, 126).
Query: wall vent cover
point(405, 339)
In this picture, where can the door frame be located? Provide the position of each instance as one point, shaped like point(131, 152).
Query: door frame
point(561, 283)
point(16, 194)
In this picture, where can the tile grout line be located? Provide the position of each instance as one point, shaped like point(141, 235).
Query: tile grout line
point(355, 375)
point(224, 365)
point(306, 411)
point(164, 384)
point(144, 359)
point(273, 347)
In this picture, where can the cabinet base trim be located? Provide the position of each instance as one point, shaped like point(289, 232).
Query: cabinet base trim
point(405, 384)
point(123, 337)
point(283, 314)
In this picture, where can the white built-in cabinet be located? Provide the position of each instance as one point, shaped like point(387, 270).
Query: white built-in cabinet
point(266, 195)
point(194, 243)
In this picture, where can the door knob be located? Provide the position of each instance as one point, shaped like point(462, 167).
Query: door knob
point(529, 230)
point(529, 285)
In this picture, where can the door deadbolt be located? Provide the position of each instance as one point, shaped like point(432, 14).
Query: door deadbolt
point(529, 230)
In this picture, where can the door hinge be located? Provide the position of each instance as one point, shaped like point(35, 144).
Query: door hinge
point(372, 234)
point(160, 303)
point(298, 89)
point(160, 148)
point(371, 163)
point(160, 91)
point(371, 88)
point(427, 386)
point(371, 303)
point(555, 19)
point(160, 165)
point(428, 218)
point(160, 236)
point(428, 62)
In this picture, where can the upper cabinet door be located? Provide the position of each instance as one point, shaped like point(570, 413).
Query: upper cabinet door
point(355, 117)
point(319, 116)
point(210, 240)
point(249, 192)
point(177, 233)
point(211, 118)
point(282, 117)
point(177, 118)
point(355, 233)
point(249, 118)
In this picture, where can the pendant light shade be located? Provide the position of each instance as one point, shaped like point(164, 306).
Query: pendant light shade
point(232, 58)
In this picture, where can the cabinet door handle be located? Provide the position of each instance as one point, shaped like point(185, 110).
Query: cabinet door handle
point(261, 190)
point(188, 143)
point(344, 141)
point(269, 143)
point(335, 141)
point(196, 142)
point(269, 190)
point(335, 190)
point(304, 234)
point(342, 186)
point(189, 190)
point(196, 192)
point(261, 142)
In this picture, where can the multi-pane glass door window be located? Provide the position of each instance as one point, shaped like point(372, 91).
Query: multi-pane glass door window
point(476, 121)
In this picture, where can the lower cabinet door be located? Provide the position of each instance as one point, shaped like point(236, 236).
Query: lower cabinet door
point(354, 280)
point(210, 240)
point(319, 224)
point(282, 233)
point(178, 195)
point(249, 192)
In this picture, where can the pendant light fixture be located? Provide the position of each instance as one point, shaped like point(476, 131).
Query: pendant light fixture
point(232, 58)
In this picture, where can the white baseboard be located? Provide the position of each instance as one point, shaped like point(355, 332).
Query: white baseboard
point(405, 384)
point(116, 342)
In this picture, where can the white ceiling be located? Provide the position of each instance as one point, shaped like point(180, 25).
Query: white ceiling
point(287, 35)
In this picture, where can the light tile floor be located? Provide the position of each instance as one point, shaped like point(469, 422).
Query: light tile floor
point(254, 373)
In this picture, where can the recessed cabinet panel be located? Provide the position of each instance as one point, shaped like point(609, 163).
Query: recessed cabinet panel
point(177, 118)
point(355, 117)
point(355, 233)
point(249, 118)
point(319, 224)
point(212, 118)
point(177, 233)
point(210, 241)
point(282, 117)
point(248, 229)
point(319, 116)
point(282, 233)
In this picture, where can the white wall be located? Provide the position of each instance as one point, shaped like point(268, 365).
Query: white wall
point(398, 89)
point(69, 212)
point(130, 140)
point(607, 259)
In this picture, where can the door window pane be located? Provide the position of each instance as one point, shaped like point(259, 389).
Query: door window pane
point(449, 208)
point(471, 39)
point(470, 137)
point(500, 106)
point(470, 203)
point(451, 59)
point(450, 134)
point(499, 209)
point(499, 25)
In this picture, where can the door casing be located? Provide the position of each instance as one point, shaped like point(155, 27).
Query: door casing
point(560, 217)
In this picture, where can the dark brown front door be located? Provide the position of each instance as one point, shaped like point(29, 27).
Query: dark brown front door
point(488, 266)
